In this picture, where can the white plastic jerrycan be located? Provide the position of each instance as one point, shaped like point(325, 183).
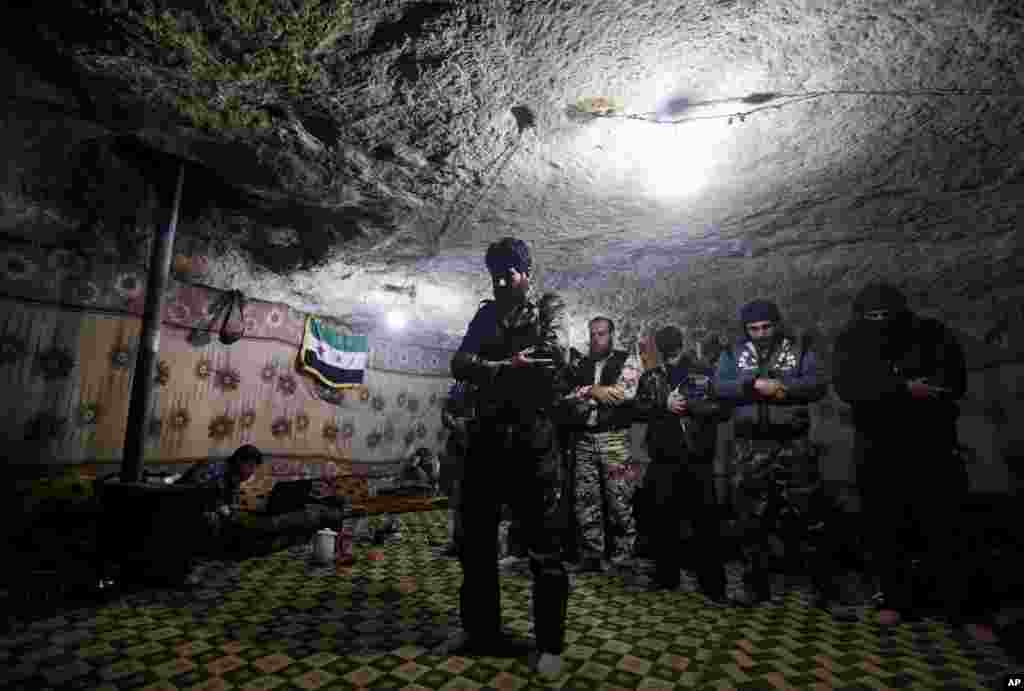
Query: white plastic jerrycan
point(323, 546)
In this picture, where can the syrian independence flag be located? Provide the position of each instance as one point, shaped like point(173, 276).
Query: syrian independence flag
point(336, 360)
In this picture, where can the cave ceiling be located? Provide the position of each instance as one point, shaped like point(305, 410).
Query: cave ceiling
point(661, 157)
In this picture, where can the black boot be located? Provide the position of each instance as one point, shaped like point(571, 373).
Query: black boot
point(756, 589)
point(666, 575)
point(712, 584)
point(550, 603)
point(501, 643)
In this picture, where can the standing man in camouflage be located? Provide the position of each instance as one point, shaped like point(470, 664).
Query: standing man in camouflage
point(516, 354)
point(606, 383)
point(770, 381)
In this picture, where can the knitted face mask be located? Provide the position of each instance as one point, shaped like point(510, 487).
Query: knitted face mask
point(510, 285)
point(882, 309)
point(886, 330)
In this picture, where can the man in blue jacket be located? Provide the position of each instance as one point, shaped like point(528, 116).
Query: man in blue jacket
point(769, 380)
point(226, 477)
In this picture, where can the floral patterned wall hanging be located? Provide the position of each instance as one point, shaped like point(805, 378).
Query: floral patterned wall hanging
point(72, 364)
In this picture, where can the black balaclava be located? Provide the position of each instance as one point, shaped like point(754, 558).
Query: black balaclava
point(882, 296)
point(762, 311)
point(508, 253)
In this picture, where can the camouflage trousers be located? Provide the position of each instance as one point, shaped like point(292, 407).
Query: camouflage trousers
point(603, 494)
point(762, 468)
point(775, 483)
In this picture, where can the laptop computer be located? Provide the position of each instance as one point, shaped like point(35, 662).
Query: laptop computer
point(289, 495)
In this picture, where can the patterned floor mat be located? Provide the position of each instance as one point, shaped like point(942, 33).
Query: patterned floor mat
point(279, 622)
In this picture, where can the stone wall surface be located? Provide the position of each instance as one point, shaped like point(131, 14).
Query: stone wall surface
point(665, 163)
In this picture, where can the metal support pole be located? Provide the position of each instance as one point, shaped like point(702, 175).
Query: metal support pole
point(149, 342)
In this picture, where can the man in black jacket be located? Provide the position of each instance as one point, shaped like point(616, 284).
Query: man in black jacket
point(677, 402)
point(515, 353)
point(605, 388)
point(902, 374)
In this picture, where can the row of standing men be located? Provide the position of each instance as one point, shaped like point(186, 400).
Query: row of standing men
point(901, 374)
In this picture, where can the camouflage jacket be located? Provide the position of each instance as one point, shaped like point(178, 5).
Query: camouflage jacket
point(506, 393)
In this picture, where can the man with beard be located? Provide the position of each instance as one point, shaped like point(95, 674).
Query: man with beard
point(515, 352)
point(770, 380)
point(677, 402)
point(606, 383)
point(902, 374)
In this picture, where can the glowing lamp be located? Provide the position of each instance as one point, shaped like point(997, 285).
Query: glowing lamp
point(396, 320)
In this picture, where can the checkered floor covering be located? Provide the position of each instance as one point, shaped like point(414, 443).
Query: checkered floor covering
point(279, 622)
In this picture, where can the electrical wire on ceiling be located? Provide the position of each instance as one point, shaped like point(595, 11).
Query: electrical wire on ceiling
point(771, 100)
point(407, 288)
